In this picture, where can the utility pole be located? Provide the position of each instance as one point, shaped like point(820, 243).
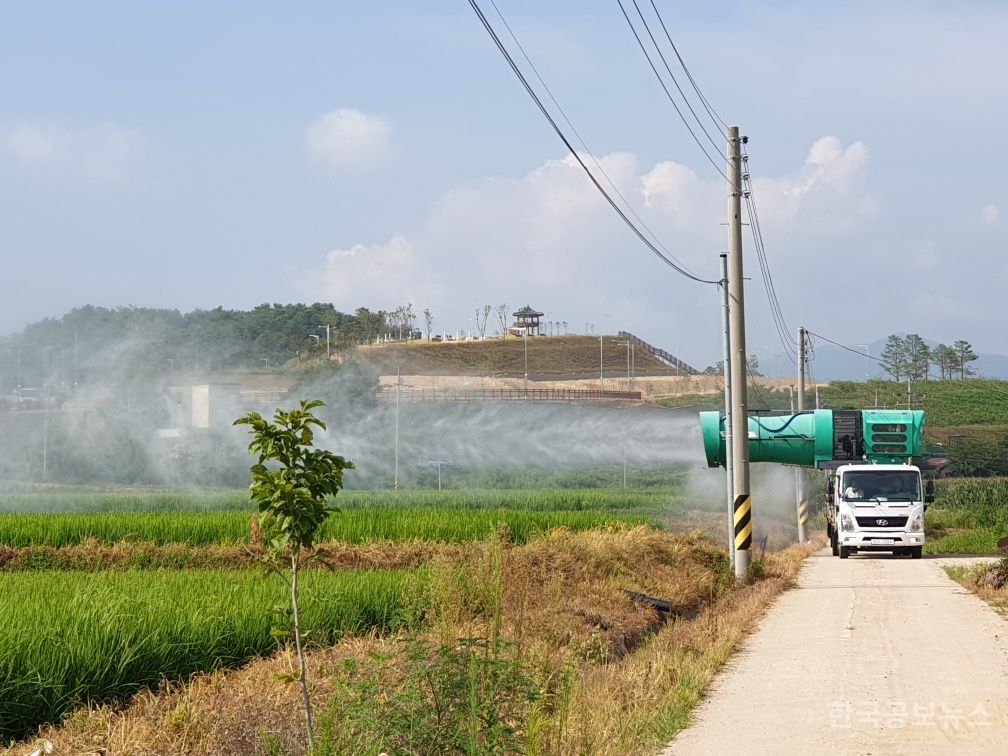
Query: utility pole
point(439, 463)
point(624, 460)
point(602, 385)
point(800, 503)
point(742, 505)
point(397, 382)
point(627, 345)
point(328, 350)
point(726, 358)
point(45, 445)
point(525, 336)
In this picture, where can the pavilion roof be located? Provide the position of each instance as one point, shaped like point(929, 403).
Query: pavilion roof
point(527, 312)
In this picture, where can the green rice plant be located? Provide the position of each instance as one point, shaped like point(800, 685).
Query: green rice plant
point(650, 500)
point(352, 526)
point(72, 637)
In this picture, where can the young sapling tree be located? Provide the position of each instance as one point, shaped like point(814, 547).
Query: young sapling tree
point(291, 484)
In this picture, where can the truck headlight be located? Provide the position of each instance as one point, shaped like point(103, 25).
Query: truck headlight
point(846, 523)
point(917, 523)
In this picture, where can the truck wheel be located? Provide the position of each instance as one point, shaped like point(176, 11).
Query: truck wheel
point(917, 552)
point(833, 542)
point(844, 552)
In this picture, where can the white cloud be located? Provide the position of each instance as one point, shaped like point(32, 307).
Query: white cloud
point(991, 215)
point(106, 153)
point(378, 275)
point(823, 193)
point(348, 139)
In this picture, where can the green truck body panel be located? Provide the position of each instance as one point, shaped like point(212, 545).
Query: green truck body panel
point(816, 437)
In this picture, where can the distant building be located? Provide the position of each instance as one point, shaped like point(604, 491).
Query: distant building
point(527, 321)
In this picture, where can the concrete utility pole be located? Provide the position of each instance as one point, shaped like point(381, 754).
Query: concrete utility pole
point(742, 505)
point(601, 384)
point(525, 337)
point(397, 384)
point(624, 460)
point(440, 463)
point(801, 368)
point(328, 350)
point(627, 345)
point(726, 357)
point(800, 503)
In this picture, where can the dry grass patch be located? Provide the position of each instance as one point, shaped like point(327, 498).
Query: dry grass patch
point(533, 648)
point(93, 555)
point(988, 581)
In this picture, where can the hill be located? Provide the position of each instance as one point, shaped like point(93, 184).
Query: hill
point(547, 355)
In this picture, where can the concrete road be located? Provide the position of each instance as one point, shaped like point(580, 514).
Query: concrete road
point(868, 655)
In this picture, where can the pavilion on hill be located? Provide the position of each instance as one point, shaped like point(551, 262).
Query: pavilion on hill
point(527, 321)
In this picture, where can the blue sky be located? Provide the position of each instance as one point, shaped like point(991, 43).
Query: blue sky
point(196, 155)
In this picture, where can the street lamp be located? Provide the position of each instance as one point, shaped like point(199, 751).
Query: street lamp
point(867, 351)
point(601, 330)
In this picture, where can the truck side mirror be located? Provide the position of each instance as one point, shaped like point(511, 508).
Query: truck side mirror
point(929, 492)
point(830, 487)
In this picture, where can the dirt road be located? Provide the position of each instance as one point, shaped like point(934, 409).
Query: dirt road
point(869, 655)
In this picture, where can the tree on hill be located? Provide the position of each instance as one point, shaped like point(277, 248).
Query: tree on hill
point(894, 356)
point(502, 317)
point(482, 316)
point(917, 357)
point(945, 359)
point(752, 367)
point(428, 321)
point(964, 355)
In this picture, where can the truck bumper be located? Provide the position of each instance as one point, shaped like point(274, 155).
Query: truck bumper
point(880, 540)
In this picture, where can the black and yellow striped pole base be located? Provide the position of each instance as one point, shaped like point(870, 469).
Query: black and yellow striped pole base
point(743, 534)
point(802, 521)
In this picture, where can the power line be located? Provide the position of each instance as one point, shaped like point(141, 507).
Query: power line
point(668, 94)
point(783, 332)
point(559, 132)
point(709, 108)
point(577, 133)
point(717, 147)
point(843, 346)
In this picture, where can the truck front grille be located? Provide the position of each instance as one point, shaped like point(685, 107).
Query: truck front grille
point(881, 522)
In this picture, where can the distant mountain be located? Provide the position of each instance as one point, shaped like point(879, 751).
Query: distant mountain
point(831, 363)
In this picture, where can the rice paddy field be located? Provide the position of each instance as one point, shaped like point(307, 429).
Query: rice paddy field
point(71, 637)
point(75, 637)
point(106, 593)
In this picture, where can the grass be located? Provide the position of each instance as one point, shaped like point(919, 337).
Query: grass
point(354, 526)
point(71, 638)
point(554, 355)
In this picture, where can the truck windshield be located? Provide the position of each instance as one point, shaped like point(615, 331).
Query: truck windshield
point(881, 485)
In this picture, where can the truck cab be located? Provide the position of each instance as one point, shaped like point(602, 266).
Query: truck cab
point(876, 507)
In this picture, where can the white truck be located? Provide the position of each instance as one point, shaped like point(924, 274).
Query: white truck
point(877, 507)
